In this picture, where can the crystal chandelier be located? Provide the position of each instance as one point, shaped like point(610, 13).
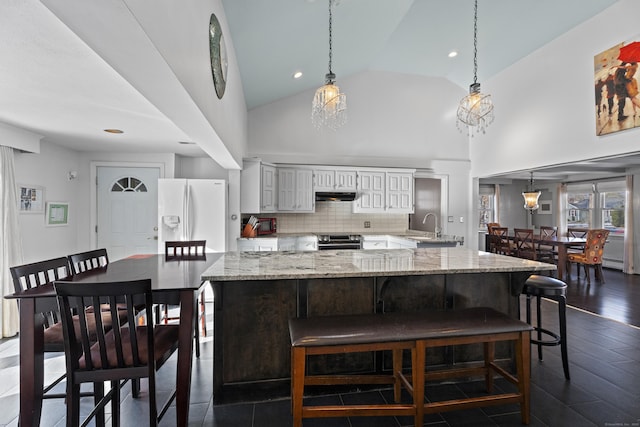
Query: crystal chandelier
point(329, 105)
point(531, 197)
point(476, 109)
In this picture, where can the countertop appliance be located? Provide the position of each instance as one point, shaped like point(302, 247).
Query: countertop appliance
point(266, 226)
point(193, 209)
point(339, 241)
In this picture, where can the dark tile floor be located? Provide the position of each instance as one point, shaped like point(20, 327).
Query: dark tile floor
point(604, 356)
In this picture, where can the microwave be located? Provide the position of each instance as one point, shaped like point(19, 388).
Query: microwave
point(266, 226)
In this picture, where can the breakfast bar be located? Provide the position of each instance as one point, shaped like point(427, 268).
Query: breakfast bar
point(256, 293)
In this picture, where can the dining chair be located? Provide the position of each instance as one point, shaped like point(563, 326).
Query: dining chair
point(500, 241)
point(128, 351)
point(43, 273)
point(523, 240)
point(85, 261)
point(185, 250)
point(547, 252)
point(591, 254)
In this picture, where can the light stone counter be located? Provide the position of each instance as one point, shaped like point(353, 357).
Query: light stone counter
point(235, 266)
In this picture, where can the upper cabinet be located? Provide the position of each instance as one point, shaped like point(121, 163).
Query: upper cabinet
point(384, 191)
point(258, 187)
point(295, 190)
point(334, 179)
point(268, 188)
point(400, 192)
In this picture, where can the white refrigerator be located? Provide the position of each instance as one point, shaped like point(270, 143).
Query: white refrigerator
point(193, 209)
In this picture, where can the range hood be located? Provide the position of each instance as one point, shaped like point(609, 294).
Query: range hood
point(335, 196)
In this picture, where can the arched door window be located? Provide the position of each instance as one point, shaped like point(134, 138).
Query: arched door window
point(128, 183)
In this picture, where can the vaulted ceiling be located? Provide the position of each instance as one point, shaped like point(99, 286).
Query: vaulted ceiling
point(54, 84)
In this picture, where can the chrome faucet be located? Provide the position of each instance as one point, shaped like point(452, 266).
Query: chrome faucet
point(436, 229)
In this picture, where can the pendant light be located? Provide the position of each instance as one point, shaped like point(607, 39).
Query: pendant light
point(329, 105)
point(531, 197)
point(476, 109)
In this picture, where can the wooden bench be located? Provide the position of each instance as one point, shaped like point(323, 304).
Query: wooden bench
point(415, 332)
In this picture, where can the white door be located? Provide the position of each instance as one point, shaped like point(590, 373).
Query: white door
point(127, 210)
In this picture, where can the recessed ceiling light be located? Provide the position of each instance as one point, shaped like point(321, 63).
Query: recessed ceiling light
point(113, 131)
point(453, 54)
point(297, 74)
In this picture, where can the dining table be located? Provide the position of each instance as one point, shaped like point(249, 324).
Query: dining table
point(173, 281)
point(562, 243)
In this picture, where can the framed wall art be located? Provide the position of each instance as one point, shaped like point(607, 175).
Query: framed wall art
point(545, 207)
point(30, 198)
point(617, 101)
point(57, 213)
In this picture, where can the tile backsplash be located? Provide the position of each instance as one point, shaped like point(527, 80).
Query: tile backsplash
point(338, 217)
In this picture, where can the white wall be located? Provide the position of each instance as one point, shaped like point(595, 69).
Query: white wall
point(545, 105)
point(49, 169)
point(394, 120)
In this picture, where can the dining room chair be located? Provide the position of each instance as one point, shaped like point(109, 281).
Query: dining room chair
point(85, 261)
point(591, 254)
point(128, 351)
point(547, 252)
point(500, 241)
point(525, 246)
point(43, 273)
point(185, 250)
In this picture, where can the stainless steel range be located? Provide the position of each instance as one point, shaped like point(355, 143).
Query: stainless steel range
point(339, 241)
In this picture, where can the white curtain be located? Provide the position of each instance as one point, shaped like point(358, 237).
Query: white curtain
point(627, 266)
point(561, 209)
point(11, 244)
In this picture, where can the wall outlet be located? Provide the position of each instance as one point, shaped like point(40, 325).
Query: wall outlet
point(461, 219)
point(449, 219)
point(367, 224)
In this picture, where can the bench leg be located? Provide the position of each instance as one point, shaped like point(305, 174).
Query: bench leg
point(523, 366)
point(489, 357)
point(397, 370)
point(418, 359)
point(298, 356)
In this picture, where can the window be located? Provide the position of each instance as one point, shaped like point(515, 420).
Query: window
point(612, 206)
point(597, 205)
point(129, 184)
point(579, 207)
point(486, 205)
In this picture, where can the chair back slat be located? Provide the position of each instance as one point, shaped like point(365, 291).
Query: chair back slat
point(523, 239)
point(185, 249)
point(89, 260)
point(580, 233)
point(500, 240)
point(548, 232)
point(111, 348)
point(38, 274)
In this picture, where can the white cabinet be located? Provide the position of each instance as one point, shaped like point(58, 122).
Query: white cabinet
point(324, 180)
point(371, 192)
point(399, 192)
point(258, 244)
point(384, 191)
point(346, 180)
point(334, 180)
point(375, 242)
point(295, 190)
point(306, 243)
point(258, 187)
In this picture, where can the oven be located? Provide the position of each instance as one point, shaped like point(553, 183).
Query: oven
point(339, 241)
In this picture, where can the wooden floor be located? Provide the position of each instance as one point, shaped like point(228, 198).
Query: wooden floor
point(604, 356)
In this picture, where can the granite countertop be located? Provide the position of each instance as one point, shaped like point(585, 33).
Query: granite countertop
point(233, 266)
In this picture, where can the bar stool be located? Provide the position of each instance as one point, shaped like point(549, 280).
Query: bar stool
point(548, 287)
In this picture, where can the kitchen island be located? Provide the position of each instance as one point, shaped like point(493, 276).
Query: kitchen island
point(255, 293)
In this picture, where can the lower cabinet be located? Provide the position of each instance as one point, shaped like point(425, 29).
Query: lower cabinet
point(258, 244)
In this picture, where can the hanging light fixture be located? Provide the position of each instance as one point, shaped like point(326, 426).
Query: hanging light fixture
point(531, 197)
point(329, 105)
point(476, 109)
